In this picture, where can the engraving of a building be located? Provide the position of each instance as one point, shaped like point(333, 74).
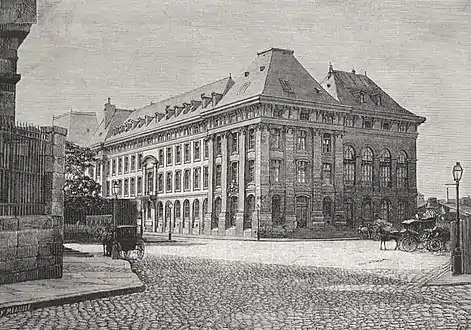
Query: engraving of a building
point(272, 145)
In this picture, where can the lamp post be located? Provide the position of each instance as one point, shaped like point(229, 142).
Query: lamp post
point(115, 189)
point(170, 223)
point(456, 254)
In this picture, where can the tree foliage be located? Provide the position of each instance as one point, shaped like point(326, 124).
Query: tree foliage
point(80, 190)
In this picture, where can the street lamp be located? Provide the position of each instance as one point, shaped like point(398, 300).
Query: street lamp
point(456, 254)
point(170, 222)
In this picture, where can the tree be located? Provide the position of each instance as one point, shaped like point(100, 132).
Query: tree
point(80, 190)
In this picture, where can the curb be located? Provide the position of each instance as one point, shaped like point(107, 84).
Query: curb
point(434, 274)
point(29, 306)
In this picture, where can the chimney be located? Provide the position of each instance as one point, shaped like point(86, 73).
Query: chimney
point(206, 100)
point(216, 97)
point(331, 70)
point(109, 111)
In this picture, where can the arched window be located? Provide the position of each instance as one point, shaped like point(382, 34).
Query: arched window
point(186, 210)
point(385, 209)
point(217, 210)
point(401, 170)
point(249, 211)
point(349, 166)
point(205, 206)
point(367, 210)
point(178, 209)
point(367, 166)
point(349, 207)
point(276, 210)
point(160, 212)
point(168, 213)
point(327, 207)
point(402, 210)
point(196, 212)
point(385, 169)
point(149, 210)
point(233, 211)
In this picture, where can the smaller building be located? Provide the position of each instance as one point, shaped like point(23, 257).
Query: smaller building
point(80, 125)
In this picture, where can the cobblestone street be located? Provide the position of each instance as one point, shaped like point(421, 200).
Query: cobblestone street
point(189, 292)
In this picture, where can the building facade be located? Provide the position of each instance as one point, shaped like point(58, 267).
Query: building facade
point(270, 149)
point(80, 125)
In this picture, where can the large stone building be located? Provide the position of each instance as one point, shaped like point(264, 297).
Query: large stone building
point(272, 147)
point(80, 125)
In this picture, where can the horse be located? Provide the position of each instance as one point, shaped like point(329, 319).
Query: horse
point(386, 236)
point(107, 241)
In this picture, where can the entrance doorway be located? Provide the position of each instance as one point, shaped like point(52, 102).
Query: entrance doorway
point(302, 211)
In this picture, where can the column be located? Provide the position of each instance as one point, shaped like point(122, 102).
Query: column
point(224, 160)
point(262, 179)
point(241, 207)
point(208, 216)
point(289, 173)
point(339, 215)
point(154, 203)
point(317, 214)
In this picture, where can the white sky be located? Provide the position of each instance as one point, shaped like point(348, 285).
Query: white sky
point(135, 52)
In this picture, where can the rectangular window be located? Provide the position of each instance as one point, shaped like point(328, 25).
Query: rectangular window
point(402, 127)
point(386, 125)
point(251, 139)
point(367, 123)
point(178, 154)
point(150, 182)
point(139, 161)
point(168, 188)
point(301, 142)
point(98, 171)
point(126, 187)
point(349, 121)
point(91, 171)
point(275, 170)
point(218, 175)
point(186, 179)
point(234, 142)
point(302, 172)
point(120, 187)
point(276, 139)
point(234, 172)
point(108, 168)
point(326, 143)
point(206, 148)
point(161, 182)
point(161, 158)
point(169, 156)
point(178, 180)
point(196, 178)
point(327, 173)
point(126, 164)
point(139, 185)
point(196, 151)
point(205, 177)
point(218, 145)
point(251, 171)
point(304, 115)
point(186, 152)
point(114, 167)
point(133, 163)
point(132, 187)
point(108, 188)
point(120, 165)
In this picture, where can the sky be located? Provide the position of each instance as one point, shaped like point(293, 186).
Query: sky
point(419, 51)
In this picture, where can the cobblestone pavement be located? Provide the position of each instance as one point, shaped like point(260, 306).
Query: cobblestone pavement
point(196, 293)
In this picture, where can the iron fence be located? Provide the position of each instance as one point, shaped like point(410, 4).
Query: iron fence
point(22, 169)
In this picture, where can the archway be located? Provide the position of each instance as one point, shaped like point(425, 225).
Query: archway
point(249, 211)
point(349, 212)
point(302, 211)
point(276, 210)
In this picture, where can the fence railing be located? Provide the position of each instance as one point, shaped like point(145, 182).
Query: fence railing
point(22, 169)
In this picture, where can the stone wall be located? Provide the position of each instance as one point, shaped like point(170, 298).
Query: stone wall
point(31, 246)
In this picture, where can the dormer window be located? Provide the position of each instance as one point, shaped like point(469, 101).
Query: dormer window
point(386, 125)
point(285, 85)
point(402, 127)
point(304, 115)
point(362, 97)
point(378, 100)
point(367, 123)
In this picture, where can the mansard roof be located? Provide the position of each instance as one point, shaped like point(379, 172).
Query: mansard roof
point(361, 92)
point(103, 132)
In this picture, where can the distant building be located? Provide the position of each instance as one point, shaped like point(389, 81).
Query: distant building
point(80, 126)
point(272, 144)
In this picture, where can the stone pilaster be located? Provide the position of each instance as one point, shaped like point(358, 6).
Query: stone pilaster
point(262, 178)
point(338, 177)
point(209, 214)
point(289, 173)
point(317, 214)
point(241, 207)
point(224, 180)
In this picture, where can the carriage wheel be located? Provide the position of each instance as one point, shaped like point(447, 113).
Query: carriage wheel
point(409, 244)
point(376, 236)
point(140, 248)
point(400, 243)
point(435, 245)
point(98, 234)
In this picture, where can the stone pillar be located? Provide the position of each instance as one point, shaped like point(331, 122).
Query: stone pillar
point(11, 37)
point(241, 207)
point(224, 178)
point(208, 216)
point(262, 179)
point(54, 193)
point(317, 214)
point(289, 173)
point(339, 215)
